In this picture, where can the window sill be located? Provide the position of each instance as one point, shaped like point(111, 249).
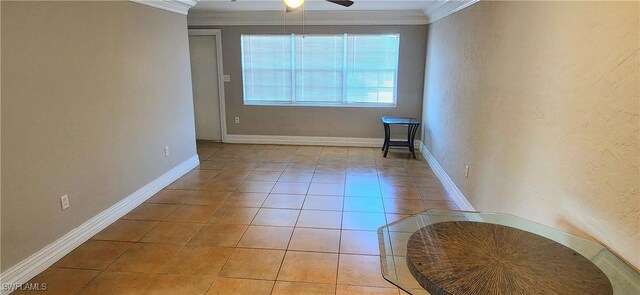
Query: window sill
point(320, 105)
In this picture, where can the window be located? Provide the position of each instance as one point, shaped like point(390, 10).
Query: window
point(320, 70)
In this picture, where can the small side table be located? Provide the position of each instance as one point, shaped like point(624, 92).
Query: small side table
point(412, 126)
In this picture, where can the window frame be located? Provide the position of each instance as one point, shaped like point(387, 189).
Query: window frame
point(293, 102)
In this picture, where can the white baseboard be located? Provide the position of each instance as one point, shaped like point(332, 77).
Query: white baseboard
point(308, 140)
point(452, 190)
point(47, 256)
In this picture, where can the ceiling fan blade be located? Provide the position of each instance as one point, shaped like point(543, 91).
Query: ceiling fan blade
point(343, 3)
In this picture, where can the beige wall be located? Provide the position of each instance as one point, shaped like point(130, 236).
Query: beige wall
point(91, 94)
point(541, 99)
point(323, 121)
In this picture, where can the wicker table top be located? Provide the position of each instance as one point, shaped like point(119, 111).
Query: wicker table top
point(464, 257)
point(463, 252)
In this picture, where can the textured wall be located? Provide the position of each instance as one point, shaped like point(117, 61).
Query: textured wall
point(541, 99)
point(324, 121)
point(91, 94)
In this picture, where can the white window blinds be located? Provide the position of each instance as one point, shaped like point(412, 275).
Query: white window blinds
point(331, 70)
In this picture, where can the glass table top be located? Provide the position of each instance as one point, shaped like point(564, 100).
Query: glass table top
point(393, 239)
point(399, 120)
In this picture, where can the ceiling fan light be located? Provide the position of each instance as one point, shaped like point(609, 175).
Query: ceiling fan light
point(293, 3)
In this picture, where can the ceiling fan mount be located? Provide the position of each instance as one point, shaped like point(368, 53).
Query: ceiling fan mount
point(293, 5)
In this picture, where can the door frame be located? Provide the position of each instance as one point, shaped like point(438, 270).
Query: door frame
point(217, 33)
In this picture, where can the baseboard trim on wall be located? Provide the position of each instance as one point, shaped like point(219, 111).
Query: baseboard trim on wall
point(451, 188)
point(308, 140)
point(47, 256)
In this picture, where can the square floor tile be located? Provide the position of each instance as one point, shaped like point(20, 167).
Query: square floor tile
point(362, 178)
point(197, 260)
point(263, 176)
point(194, 180)
point(222, 185)
point(315, 240)
point(218, 235)
point(63, 281)
point(363, 204)
point(276, 217)
point(432, 193)
point(360, 270)
point(171, 233)
point(253, 264)
point(167, 196)
point(334, 167)
point(255, 186)
point(426, 181)
point(309, 267)
point(93, 255)
point(403, 206)
point(233, 215)
point(271, 166)
point(296, 288)
point(230, 286)
point(212, 165)
point(118, 283)
point(365, 190)
point(207, 198)
point(233, 174)
point(143, 257)
point(326, 189)
point(152, 212)
point(190, 213)
point(331, 203)
point(296, 177)
point(395, 181)
point(327, 177)
point(399, 192)
point(238, 199)
point(171, 284)
point(362, 220)
point(387, 171)
point(320, 219)
point(300, 167)
point(268, 237)
point(284, 201)
point(359, 242)
point(298, 188)
point(299, 158)
point(125, 230)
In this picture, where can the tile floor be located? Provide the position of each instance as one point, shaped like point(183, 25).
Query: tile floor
point(257, 219)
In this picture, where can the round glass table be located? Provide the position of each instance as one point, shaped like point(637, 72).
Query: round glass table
point(460, 252)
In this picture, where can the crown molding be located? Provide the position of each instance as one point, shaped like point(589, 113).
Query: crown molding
point(177, 6)
point(319, 18)
point(441, 9)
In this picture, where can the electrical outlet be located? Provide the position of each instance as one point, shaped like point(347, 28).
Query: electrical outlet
point(64, 201)
point(166, 150)
point(466, 171)
point(237, 120)
point(226, 78)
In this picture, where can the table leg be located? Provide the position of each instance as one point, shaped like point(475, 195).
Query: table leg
point(387, 138)
point(412, 138)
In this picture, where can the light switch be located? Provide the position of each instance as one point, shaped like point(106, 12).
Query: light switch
point(226, 78)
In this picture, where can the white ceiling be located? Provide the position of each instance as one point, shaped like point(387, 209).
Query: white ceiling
point(310, 5)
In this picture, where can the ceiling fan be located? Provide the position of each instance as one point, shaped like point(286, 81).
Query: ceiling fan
point(293, 5)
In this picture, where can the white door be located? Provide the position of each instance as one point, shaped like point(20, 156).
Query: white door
point(204, 76)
